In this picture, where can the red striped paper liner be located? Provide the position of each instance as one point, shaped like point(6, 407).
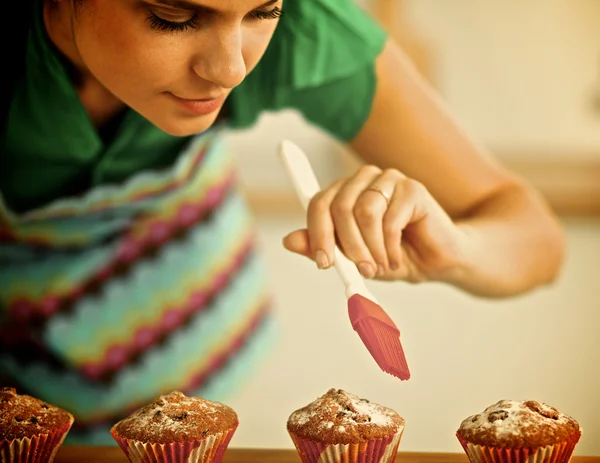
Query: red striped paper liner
point(40, 448)
point(560, 452)
point(208, 450)
point(382, 450)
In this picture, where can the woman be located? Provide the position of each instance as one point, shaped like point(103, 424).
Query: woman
point(127, 261)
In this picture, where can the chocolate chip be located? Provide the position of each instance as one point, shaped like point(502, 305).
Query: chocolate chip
point(18, 419)
point(362, 419)
point(547, 411)
point(180, 417)
point(475, 418)
point(365, 400)
point(497, 415)
point(158, 403)
point(205, 432)
point(45, 407)
point(157, 413)
point(34, 420)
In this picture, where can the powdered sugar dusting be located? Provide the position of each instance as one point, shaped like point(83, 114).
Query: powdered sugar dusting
point(511, 418)
point(348, 408)
point(339, 416)
point(172, 412)
point(175, 417)
point(24, 416)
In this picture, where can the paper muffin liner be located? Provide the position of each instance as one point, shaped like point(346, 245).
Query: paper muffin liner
point(382, 450)
point(208, 450)
point(40, 448)
point(557, 453)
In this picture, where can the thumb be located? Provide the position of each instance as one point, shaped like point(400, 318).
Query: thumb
point(298, 242)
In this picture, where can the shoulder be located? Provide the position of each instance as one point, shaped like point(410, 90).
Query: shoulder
point(325, 40)
point(319, 46)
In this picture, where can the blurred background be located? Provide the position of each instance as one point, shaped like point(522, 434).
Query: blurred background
point(523, 77)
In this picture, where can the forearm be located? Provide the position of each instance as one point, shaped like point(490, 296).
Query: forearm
point(511, 243)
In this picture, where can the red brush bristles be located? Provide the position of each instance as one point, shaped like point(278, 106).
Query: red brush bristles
point(379, 334)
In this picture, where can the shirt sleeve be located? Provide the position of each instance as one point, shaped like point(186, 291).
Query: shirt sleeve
point(321, 61)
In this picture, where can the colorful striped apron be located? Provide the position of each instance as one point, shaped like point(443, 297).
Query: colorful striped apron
point(134, 290)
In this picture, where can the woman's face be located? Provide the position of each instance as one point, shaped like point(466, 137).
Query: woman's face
point(173, 61)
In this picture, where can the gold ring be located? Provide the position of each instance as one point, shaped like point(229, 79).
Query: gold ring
point(381, 192)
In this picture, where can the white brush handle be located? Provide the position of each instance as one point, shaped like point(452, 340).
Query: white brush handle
point(306, 185)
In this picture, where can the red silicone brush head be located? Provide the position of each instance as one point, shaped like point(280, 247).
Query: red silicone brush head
point(379, 334)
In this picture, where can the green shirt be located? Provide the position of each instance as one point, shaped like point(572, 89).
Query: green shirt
point(320, 62)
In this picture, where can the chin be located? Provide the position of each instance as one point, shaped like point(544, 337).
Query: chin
point(184, 127)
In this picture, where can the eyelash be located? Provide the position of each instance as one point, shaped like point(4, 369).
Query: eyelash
point(160, 24)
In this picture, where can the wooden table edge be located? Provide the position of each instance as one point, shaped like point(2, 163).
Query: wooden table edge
point(96, 454)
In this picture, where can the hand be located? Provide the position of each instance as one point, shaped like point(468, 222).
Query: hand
point(387, 224)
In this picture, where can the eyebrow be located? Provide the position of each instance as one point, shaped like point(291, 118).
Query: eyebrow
point(189, 5)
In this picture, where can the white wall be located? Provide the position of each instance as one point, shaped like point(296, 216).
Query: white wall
point(517, 75)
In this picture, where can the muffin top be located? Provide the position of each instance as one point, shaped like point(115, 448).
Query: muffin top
point(175, 417)
point(516, 424)
point(339, 417)
point(25, 416)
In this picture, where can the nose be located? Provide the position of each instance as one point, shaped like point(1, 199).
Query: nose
point(220, 59)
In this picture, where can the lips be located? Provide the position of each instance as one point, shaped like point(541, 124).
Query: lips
point(200, 106)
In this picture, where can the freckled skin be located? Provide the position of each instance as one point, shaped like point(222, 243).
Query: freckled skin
point(122, 60)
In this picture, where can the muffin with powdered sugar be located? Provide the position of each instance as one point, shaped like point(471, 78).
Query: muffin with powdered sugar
point(31, 430)
point(513, 431)
point(340, 426)
point(175, 428)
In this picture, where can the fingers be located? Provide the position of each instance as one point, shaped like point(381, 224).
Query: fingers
point(405, 207)
point(344, 213)
point(366, 216)
point(351, 212)
point(321, 230)
point(370, 209)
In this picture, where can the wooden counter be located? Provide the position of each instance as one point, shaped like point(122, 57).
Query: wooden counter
point(68, 454)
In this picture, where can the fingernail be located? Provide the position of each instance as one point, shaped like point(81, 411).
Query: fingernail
point(321, 259)
point(366, 269)
point(380, 270)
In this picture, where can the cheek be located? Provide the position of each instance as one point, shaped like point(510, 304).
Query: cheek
point(125, 55)
point(255, 43)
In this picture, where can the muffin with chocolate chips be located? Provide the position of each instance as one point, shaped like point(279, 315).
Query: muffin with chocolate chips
point(514, 431)
point(31, 431)
point(175, 428)
point(339, 426)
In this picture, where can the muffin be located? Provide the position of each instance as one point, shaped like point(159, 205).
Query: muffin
point(517, 431)
point(31, 431)
point(339, 426)
point(177, 428)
